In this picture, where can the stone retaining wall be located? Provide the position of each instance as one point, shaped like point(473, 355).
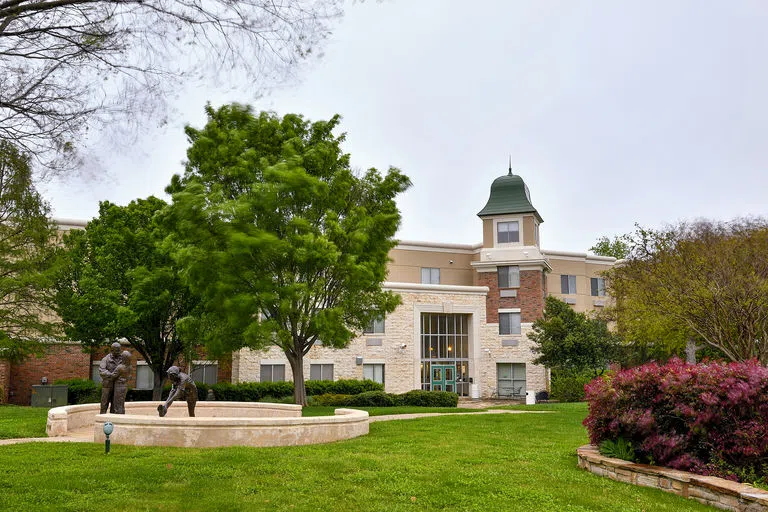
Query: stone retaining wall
point(717, 492)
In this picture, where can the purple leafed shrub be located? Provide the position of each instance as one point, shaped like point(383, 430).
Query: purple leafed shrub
point(710, 419)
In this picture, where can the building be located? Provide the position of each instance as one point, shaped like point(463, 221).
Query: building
point(462, 326)
point(466, 310)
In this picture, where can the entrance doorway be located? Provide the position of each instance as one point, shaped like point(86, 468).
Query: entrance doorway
point(444, 378)
point(445, 352)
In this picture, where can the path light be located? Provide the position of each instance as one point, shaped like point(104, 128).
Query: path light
point(108, 428)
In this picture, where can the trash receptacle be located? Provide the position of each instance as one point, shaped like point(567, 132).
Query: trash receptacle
point(474, 391)
point(530, 398)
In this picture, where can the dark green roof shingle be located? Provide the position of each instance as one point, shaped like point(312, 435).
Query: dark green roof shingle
point(509, 194)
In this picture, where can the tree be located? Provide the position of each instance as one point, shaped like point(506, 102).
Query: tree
point(285, 243)
point(572, 342)
point(617, 248)
point(67, 66)
point(114, 282)
point(705, 282)
point(26, 236)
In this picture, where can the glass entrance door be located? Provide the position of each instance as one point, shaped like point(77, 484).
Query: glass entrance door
point(444, 377)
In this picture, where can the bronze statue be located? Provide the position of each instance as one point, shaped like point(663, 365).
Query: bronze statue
point(183, 388)
point(120, 387)
point(106, 370)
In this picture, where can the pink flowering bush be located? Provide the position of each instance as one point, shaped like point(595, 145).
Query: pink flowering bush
point(710, 419)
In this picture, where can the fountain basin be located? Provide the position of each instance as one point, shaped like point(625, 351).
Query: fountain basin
point(216, 424)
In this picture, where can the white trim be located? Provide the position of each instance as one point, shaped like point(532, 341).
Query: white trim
point(320, 361)
point(411, 245)
point(69, 224)
point(510, 310)
point(579, 256)
point(202, 362)
point(374, 361)
point(526, 264)
point(437, 288)
point(138, 363)
point(273, 362)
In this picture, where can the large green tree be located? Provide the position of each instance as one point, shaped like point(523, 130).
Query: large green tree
point(572, 342)
point(699, 283)
point(26, 249)
point(114, 282)
point(287, 245)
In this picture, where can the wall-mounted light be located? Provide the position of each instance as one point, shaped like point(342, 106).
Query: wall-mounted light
point(403, 346)
point(359, 360)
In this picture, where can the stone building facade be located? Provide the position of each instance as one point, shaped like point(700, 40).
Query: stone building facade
point(466, 311)
point(462, 325)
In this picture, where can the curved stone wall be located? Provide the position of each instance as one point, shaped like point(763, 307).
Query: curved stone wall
point(216, 424)
point(717, 492)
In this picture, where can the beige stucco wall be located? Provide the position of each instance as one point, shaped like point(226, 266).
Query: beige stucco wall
point(584, 267)
point(400, 346)
point(455, 269)
point(529, 225)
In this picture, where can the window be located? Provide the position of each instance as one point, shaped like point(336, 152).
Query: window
point(430, 275)
point(508, 232)
point(598, 286)
point(509, 277)
point(145, 378)
point(375, 327)
point(510, 379)
point(374, 372)
point(205, 371)
point(95, 377)
point(509, 323)
point(321, 372)
point(272, 373)
point(536, 234)
point(567, 284)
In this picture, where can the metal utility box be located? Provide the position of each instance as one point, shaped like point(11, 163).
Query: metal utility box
point(49, 396)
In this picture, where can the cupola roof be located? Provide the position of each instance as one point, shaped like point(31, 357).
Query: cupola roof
point(509, 194)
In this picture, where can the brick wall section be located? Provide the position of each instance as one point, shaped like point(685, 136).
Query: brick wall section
point(60, 361)
point(716, 492)
point(530, 295)
point(5, 380)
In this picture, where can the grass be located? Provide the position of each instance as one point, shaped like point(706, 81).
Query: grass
point(509, 462)
point(18, 421)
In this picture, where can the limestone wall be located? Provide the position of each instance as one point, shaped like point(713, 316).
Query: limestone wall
point(399, 347)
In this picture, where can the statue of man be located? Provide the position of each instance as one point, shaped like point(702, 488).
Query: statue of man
point(107, 373)
point(120, 386)
point(182, 388)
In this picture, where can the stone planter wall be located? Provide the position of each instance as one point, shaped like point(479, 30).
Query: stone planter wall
point(717, 492)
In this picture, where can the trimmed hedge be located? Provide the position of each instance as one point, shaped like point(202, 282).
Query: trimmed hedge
point(257, 391)
point(81, 391)
point(710, 419)
point(415, 398)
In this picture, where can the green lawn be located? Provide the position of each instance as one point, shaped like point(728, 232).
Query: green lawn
point(514, 462)
point(18, 421)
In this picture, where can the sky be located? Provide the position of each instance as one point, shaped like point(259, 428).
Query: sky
point(613, 113)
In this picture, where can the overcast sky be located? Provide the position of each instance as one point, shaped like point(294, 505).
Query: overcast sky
point(614, 112)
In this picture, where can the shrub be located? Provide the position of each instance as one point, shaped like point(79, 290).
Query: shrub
point(81, 391)
point(619, 449)
point(329, 400)
point(340, 387)
point(569, 386)
point(709, 419)
point(2, 395)
point(372, 399)
point(421, 398)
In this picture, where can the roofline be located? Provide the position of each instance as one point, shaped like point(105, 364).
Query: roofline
point(416, 245)
point(70, 223)
point(580, 255)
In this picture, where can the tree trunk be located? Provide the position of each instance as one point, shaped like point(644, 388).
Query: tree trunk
point(157, 388)
point(297, 366)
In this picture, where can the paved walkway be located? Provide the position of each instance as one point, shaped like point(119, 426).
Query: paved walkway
point(85, 435)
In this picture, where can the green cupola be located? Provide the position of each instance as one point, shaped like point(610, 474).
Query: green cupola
point(509, 194)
